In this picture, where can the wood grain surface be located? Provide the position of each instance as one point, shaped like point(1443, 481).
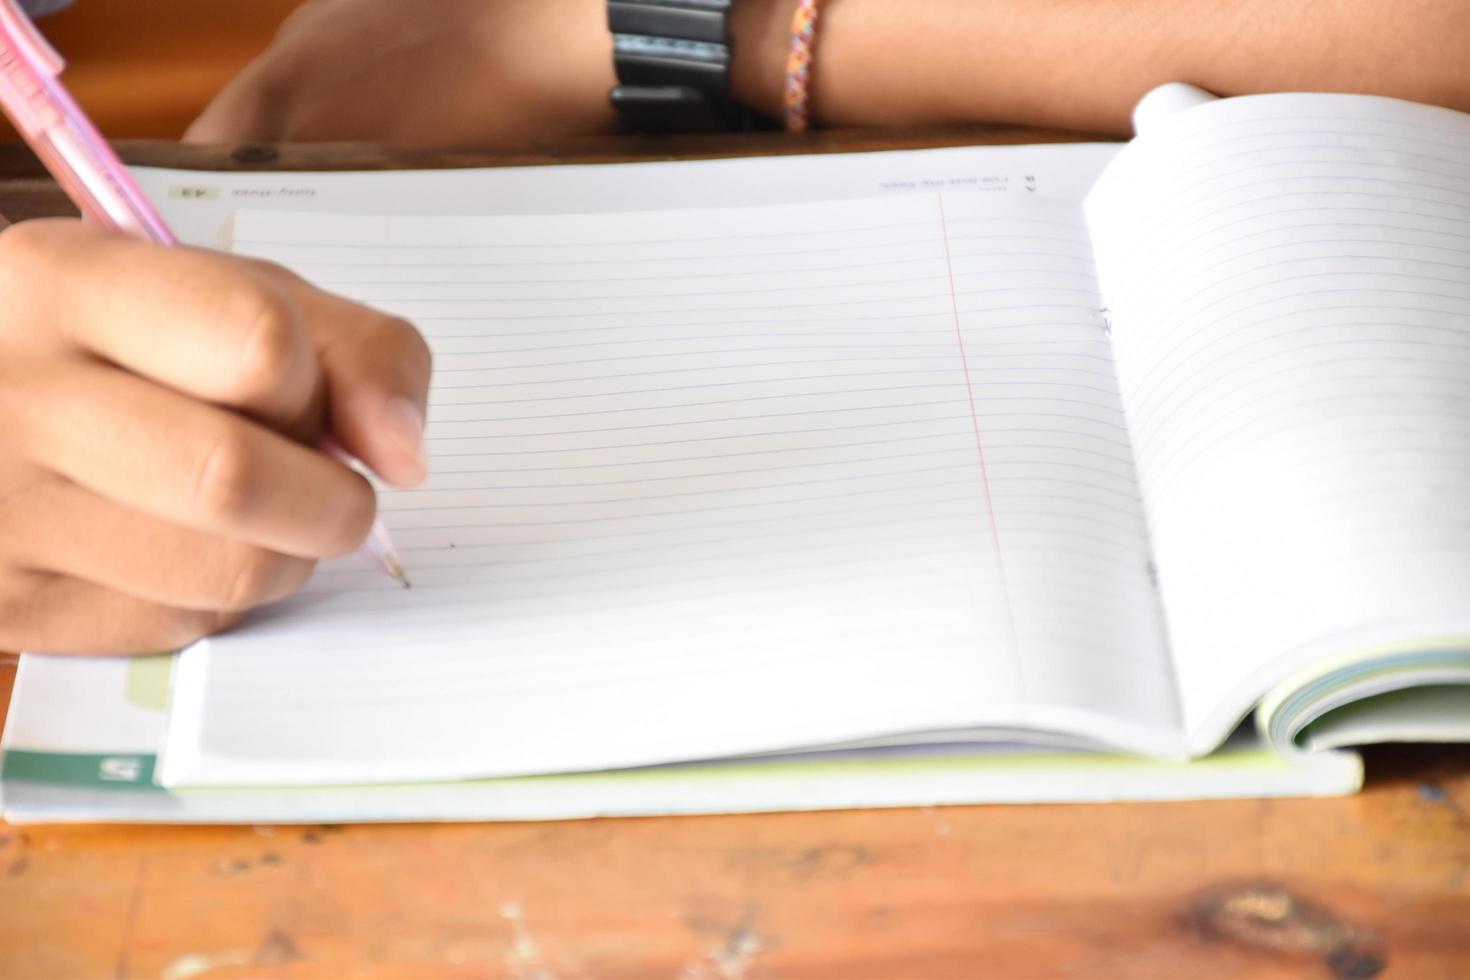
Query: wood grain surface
point(1365, 886)
point(146, 68)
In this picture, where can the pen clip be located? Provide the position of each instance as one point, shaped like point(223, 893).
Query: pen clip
point(27, 43)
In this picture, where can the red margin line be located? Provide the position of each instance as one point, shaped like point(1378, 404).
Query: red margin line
point(975, 422)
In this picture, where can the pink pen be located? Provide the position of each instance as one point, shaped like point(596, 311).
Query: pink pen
point(94, 178)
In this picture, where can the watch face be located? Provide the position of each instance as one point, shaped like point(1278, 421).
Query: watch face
point(658, 61)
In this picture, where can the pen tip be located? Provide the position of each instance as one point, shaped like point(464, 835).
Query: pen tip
point(396, 570)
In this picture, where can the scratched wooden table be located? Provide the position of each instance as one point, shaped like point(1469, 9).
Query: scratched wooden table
point(1372, 885)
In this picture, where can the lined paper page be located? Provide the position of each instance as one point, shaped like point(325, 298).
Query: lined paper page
point(1289, 281)
point(712, 482)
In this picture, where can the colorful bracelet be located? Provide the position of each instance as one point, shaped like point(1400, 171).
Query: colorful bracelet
point(799, 65)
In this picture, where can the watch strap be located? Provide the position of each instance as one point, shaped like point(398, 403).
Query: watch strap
point(693, 20)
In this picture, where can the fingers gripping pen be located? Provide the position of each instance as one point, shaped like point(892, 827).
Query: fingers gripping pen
point(83, 163)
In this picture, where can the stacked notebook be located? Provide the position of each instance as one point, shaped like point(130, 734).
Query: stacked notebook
point(1070, 472)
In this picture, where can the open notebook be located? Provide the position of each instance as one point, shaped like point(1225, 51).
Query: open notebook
point(968, 463)
point(918, 468)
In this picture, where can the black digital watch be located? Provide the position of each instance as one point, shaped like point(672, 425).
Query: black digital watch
point(673, 65)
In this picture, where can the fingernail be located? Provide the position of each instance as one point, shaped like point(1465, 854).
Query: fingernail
point(404, 428)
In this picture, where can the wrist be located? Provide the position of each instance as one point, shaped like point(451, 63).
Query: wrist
point(759, 39)
point(862, 71)
point(582, 69)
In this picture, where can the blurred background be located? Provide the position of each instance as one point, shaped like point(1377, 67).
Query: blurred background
point(145, 68)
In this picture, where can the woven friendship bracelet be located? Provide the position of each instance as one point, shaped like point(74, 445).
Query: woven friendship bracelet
point(799, 65)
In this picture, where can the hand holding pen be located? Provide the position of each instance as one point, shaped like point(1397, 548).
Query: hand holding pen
point(159, 407)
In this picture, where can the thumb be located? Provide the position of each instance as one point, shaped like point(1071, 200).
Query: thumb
point(376, 369)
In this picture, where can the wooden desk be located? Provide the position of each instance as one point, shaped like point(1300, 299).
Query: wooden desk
point(1357, 887)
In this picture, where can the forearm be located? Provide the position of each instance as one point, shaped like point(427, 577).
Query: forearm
point(486, 72)
point(1082, 64)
